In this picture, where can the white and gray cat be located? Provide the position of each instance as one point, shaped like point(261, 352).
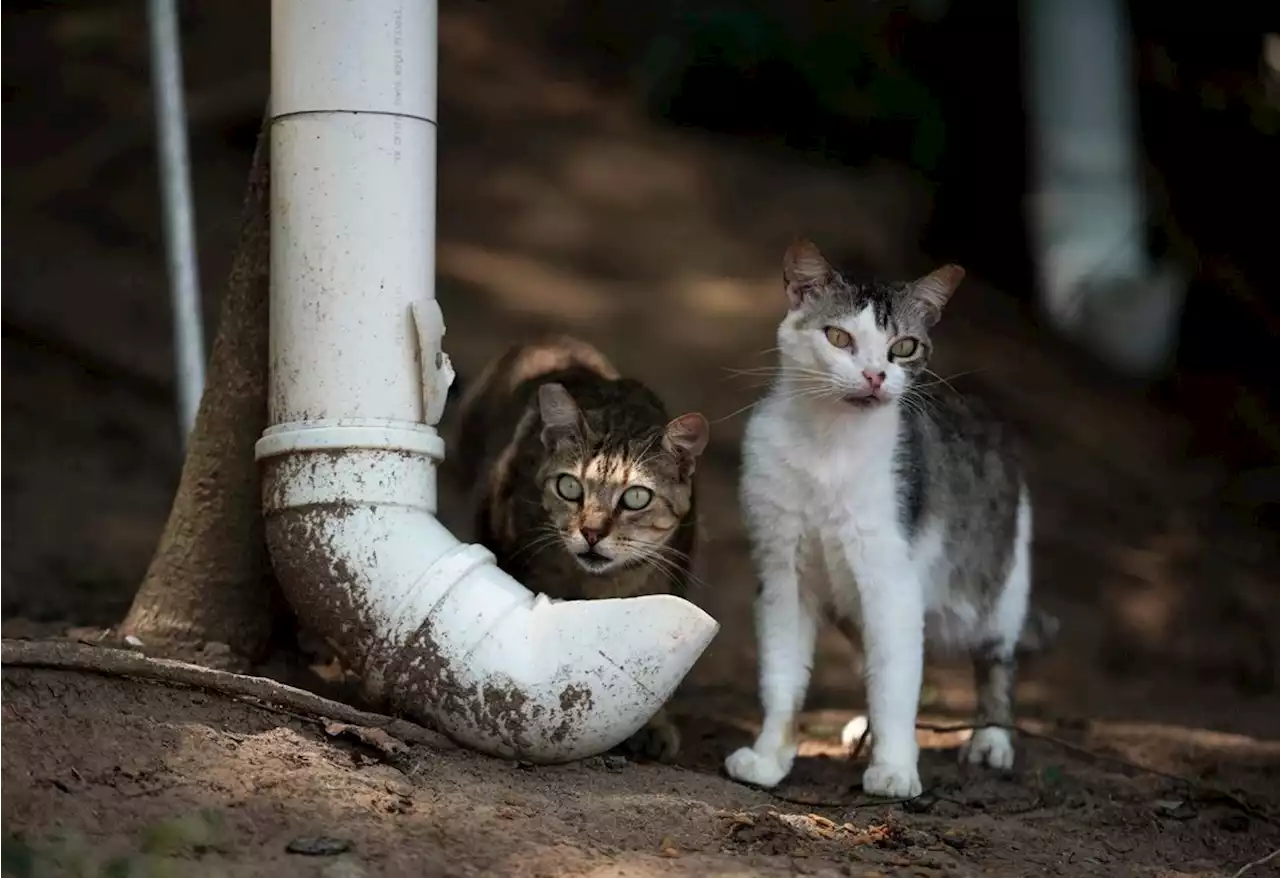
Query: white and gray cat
point(893, 511)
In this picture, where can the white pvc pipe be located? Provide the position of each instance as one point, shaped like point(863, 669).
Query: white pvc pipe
point(1090, 215)
point(358, 383)
point(179, 213)
point(1088, 211)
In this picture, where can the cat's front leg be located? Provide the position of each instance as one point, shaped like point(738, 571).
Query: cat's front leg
point(786, 632)
point(892, 606)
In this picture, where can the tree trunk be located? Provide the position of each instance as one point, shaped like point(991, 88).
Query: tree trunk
point(210, 580)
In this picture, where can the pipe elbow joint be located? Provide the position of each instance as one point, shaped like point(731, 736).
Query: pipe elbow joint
point(433, 627)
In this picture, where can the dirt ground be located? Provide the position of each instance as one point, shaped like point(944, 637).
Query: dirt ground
point(560, 207)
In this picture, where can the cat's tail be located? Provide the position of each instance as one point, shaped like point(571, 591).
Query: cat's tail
point(526, 362)
point(481, 403)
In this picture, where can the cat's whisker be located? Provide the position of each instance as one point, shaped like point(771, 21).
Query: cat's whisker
point(543, 537)
point(776, 368)
point(668, 571)
point(938, 379)
point(775, 375)
point(672, 550)
point(913, 406)
point(812, 390)
point(671, 571)
point(917, 403)
point(733, 414)
point(677, 554)
point(692, 578)
point(647, 453)
point(645, 555)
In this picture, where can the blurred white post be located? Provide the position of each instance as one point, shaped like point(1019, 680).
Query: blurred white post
point(179, 214)
point(1088, 213)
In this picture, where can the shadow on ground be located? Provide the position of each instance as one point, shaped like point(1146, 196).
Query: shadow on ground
point(561, 207)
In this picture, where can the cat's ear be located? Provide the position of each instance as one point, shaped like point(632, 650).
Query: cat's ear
point(686, 437)
point(561, 417)
point(936, 288)
point(804, 271)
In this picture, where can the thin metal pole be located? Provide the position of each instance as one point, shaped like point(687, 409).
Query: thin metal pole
point(179, 212)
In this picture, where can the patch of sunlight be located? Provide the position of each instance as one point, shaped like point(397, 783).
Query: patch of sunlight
point(522, 284)
point(1206, 739)
point(553, 223)
point(632, 177)
point(659, 866)
point(811, 747)
point(725, 296)
point(1149, 600)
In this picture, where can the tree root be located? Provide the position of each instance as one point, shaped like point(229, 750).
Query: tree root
point(1261, 861)
point(69, 656)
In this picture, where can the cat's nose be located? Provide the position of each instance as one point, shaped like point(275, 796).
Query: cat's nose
point(875, 379)
point(591, 535)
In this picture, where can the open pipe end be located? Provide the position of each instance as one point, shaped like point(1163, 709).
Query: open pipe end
point(553, 682)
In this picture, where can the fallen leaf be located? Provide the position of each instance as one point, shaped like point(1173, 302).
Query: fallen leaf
point(667, 848)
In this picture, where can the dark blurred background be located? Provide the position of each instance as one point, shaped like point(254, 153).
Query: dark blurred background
point(939, 88)
point(632, 172)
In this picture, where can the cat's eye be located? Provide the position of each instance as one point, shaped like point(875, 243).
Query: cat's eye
point(569, 488)
point(636, 497)
point(904, 348)
point(838, 337)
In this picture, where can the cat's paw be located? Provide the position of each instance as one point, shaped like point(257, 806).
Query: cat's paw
point(658, 741)
point(748, 766)
point(989, 746)
point(891, 781)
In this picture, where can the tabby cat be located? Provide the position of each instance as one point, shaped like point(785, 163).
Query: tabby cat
point(583, 486)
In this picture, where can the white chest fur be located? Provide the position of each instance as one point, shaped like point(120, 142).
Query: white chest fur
point(832, 473)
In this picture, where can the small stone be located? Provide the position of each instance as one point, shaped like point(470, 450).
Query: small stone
point(921, 804)
point(615, 762)
point(1176, 809)
point(319, 846)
